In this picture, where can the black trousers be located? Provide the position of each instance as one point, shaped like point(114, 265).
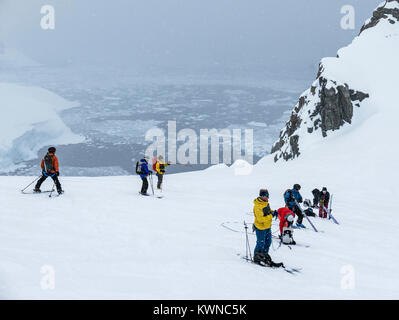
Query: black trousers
point(298, 213)
point(55, 179)
point(160, 179)
point(144, 187)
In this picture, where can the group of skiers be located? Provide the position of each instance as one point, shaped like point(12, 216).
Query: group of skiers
point(50, 168)
point(158, 165)
point(264, 216)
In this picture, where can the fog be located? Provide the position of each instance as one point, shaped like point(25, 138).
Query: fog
point(248, 36)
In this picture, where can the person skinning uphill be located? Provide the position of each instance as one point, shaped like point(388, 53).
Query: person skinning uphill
point(143, 171)
point(291, 197)
point(50, 168)
point(324, 199)
point(262, 227)
point(160, 166)
point(286, 217)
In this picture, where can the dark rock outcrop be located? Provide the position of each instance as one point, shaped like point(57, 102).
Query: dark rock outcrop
point(382, 13)
point(327, 105)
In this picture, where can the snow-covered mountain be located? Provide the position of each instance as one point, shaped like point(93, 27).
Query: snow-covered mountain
point(349, 88)
point(29, 121)
point(102, 240)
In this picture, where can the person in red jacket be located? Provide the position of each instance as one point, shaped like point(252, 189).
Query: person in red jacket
point(286, 217)
point(50, 168)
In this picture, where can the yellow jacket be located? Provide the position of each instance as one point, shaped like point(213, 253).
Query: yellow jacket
point(263, 214)
point(160, 167)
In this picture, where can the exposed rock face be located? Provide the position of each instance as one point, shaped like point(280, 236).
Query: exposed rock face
point(384, 12)
point(328, 104)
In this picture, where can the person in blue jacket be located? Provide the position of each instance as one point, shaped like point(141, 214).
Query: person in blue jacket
point(291, 197)
point(144, 172)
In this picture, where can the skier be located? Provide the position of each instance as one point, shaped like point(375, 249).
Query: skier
point(143, 171)
point(160, 170)
point(316, 197)
point(262, 226)
point(286, 217)
point(323, 202)
point(50, 168)
point(291, 197)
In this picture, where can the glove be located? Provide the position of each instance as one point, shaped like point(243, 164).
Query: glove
point(300, 201)
point(150, 173)
point(275, 213)
point(57, 173)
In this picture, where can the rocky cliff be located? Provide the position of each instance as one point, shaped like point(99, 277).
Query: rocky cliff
point(330, 102)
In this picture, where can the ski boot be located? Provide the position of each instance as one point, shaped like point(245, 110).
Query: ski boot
point(144, 194)
point(37, 190)
point(270, 263)
point(60, 192)
point(300, 225)
point(259, 258)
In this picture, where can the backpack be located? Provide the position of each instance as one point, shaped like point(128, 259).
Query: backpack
point(154, 163)
point(138, 167)
point(287, 191)
point(287, 236)
point(48, 163)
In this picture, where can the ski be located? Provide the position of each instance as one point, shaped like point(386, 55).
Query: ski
point(280, 265)
point(330, 216)
point(306, 216)
point(32, 192)
point(51, 195)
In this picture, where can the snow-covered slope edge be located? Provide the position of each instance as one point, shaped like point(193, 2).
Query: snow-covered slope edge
point(29, 121)
point(357, 83)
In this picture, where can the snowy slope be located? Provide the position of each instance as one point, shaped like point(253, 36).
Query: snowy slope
point(29, 121)
point(105, 241)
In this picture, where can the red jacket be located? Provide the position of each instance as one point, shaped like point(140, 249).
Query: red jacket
point(282, 214)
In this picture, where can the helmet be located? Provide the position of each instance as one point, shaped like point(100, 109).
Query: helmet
point(290, 218)
point(52, 150)
point(263, 193)
point(324, 189)
point(297, 187)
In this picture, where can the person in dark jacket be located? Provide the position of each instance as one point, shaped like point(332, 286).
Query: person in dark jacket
point(291, 197)
point(324, 199)
point(50, 168)
point(144, 173)
point(316, 197)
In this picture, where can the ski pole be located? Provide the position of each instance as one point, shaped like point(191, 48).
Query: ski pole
point(248, 248)
point(52, 190)
point(330, 215)
point(152, 187)
point(307, 218)
point(31, 183)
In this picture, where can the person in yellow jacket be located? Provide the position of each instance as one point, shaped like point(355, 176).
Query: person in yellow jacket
point(160, 169)
point(262, 226)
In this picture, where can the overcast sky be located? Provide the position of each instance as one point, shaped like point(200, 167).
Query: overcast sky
point(182, 34)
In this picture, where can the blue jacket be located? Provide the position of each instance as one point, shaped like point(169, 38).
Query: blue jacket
point(144, 168)
point(291, 196)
